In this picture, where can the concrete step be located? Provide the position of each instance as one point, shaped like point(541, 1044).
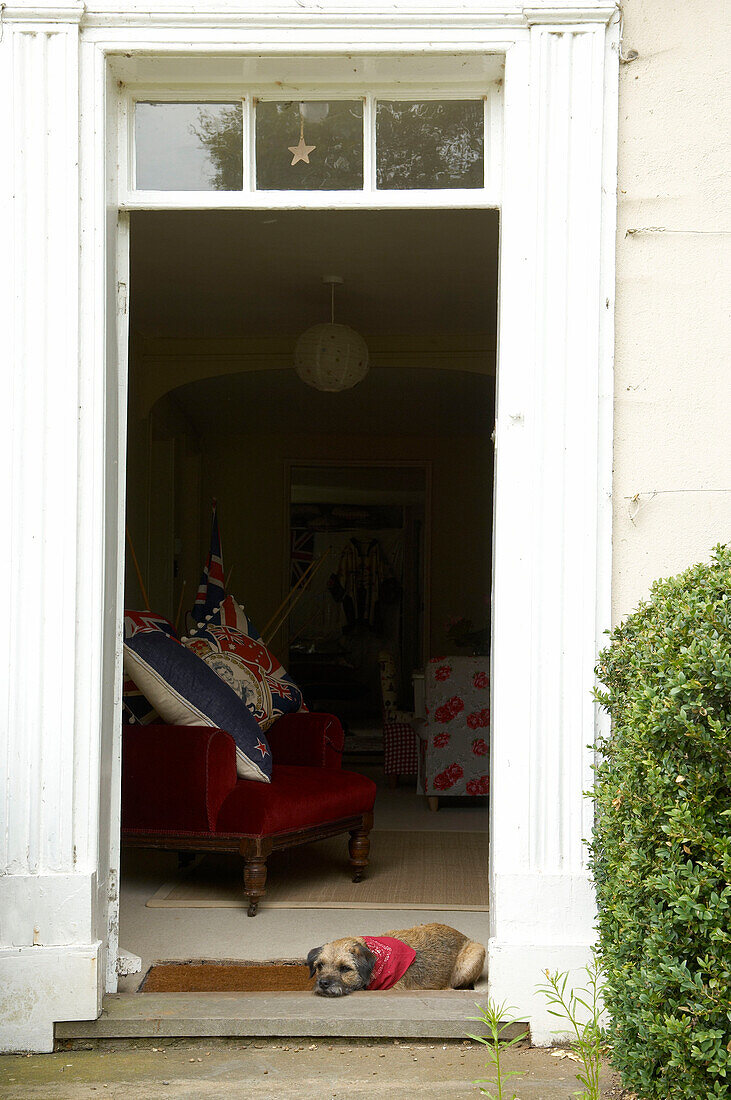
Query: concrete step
point(437, 1014)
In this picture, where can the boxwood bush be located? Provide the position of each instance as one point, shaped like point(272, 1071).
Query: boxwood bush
point(661, 848)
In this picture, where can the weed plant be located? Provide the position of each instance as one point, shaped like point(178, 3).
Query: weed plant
point(496, 1018)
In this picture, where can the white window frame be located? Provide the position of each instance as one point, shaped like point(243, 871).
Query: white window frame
point(368, 197)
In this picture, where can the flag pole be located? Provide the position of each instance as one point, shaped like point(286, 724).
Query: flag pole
point(137, 570)
point(292, 591)
point(294, 597)
point(180, 606)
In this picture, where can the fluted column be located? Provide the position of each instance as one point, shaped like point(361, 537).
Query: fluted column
point(552, 535)
point(48, 851)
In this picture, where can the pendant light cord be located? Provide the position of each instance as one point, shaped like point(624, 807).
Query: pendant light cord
point(332, 303)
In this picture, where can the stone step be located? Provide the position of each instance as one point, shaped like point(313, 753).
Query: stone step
point(437, 1014)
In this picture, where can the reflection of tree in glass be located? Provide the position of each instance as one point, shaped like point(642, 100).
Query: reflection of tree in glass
point(220, 132)
point(428, 144)
point(431, 144)
point(336, 131)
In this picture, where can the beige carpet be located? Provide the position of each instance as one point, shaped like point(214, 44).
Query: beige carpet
point(407, 870)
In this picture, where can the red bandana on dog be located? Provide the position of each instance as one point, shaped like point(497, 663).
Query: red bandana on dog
point(393, 959)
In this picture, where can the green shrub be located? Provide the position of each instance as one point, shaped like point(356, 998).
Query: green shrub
point(661, 849)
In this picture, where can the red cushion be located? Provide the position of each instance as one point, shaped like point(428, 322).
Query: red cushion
point(296, 798)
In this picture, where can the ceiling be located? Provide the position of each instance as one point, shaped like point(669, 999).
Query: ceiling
point(389, 401)
point(259, 273)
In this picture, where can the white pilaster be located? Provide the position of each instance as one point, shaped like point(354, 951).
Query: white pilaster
point(551, 580)
point(48, 851)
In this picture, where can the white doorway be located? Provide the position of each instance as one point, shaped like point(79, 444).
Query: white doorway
point(217, 300)
point(555, 71)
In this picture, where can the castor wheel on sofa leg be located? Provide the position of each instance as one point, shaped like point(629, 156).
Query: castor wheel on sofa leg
point(359, 846)
point(255, 876)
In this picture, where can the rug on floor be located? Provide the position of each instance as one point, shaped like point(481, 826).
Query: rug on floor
point(407, 870)
point(226, 977)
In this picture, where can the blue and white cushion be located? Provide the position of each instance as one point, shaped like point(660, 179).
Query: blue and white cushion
point(186, 692)
point(136, 707)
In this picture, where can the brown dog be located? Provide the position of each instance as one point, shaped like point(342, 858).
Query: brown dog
point(429, 956)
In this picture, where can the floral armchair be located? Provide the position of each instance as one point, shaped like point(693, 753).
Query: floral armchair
point(454, 738)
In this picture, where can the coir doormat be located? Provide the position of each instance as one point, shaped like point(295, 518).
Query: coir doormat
point(226, 977)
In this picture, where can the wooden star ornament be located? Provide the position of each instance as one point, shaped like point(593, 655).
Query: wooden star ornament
point(301, 151)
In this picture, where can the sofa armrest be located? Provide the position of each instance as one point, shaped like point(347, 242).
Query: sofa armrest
point(310, 740)
point(175, 778)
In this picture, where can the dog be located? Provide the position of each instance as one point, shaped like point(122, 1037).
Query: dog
point(428, 956)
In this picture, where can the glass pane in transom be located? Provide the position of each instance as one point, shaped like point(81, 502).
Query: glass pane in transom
point(315, 146)
point(189, 146)
point(428, 144)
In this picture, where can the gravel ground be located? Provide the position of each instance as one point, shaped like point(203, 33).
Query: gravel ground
point(302, 1069)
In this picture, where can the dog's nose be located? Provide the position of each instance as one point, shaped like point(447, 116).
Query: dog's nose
point(324, 983)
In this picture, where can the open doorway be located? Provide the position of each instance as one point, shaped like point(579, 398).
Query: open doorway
point(398, 468)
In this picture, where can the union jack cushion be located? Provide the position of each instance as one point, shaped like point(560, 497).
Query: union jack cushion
point(186, 692)
point(238, 655)
point(136, 707)
point(230, 613)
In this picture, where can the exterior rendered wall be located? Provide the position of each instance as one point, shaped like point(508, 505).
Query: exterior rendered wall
point(672, 378)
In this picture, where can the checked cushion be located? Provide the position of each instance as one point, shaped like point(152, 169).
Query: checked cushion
point(399, 748)
point(239, 656)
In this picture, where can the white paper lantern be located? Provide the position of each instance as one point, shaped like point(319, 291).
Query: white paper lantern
point(331, 357)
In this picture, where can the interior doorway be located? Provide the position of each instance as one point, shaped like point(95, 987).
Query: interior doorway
point(400, 466)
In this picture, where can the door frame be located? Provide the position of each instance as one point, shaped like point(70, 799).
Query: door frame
point(553, 434)
point(552, 511)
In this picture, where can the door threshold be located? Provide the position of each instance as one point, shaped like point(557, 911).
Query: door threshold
point(433, 1014)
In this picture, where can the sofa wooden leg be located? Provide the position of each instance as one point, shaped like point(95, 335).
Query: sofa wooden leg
point(392, 781)
point(185, 859)
point(359, 846)
point(255, 877)
point(433, 801)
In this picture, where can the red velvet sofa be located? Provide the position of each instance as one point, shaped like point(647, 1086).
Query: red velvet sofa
point(180, 791)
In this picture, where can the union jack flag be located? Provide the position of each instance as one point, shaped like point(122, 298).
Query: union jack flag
point(211, 589)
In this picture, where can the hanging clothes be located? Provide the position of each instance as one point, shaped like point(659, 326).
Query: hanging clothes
point(362, 581)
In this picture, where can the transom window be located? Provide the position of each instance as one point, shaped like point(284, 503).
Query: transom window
point(370, 144)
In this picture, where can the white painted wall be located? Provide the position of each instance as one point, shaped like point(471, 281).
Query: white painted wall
point(672, 370)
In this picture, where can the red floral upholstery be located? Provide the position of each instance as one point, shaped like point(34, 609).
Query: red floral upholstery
point(296, 798)
point(454, 749)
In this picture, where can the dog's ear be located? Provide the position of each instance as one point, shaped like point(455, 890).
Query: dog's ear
point(364, 961)
point(312, 959)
